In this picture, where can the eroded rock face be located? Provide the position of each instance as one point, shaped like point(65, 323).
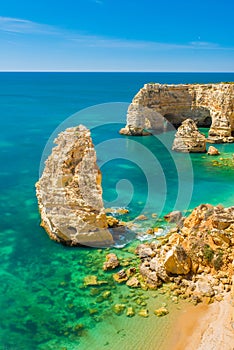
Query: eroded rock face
point(194, 260)
point(177, 261)
point(69, 192)
point(206, 104)
point(174, 216)
point(207, 218)
point(197, 256)
point(189, 139)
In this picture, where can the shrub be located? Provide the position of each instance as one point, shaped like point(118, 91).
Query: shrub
point(208, 253)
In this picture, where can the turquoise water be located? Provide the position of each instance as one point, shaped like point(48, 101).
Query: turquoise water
point(44, 303)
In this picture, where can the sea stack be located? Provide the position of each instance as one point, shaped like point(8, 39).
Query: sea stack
point(69, 192)
point(189, 139)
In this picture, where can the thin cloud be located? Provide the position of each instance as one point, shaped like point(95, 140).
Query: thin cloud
point(99, 2)
point(26, 27)
point(23, 26)
point(204, 44)
point(96, 41)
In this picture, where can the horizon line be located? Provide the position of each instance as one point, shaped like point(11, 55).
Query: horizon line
point(104, 71)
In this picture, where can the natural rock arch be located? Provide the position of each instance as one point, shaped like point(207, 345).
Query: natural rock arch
point(209, 105)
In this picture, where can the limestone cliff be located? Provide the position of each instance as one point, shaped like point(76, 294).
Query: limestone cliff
point(207, 104)
point(69, 192)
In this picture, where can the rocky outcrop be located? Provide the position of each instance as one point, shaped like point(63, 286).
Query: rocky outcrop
point(173, 216)
point(133, 282)
point(177, 261)
point(189, 139)
point(212, 151)
point(195, 260)
point(202, 250)
point(134, 131)
point(209, 105)
point(111, 262)
point(69, 192)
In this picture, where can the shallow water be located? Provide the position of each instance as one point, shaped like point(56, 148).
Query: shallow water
point(44, 304)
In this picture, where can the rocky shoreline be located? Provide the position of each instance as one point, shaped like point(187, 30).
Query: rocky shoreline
point(194, 261)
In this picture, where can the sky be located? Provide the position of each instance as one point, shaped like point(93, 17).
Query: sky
point(111, 35)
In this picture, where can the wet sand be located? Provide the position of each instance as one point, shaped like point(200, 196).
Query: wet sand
point(137, 333)
point(187, 327)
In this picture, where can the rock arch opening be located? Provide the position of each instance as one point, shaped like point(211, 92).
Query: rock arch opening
point(171, 121)
point(208, 122)
point(201, 117)
point(208, 105)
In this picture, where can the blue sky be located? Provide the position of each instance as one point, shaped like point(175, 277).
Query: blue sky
point(123, 35)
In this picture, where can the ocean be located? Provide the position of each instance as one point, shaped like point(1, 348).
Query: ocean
point(44, 302)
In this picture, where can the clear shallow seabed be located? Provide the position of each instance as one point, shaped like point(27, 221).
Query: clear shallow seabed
point(44, 304)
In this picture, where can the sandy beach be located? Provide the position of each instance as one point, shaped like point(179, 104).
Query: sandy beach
point(205, 327)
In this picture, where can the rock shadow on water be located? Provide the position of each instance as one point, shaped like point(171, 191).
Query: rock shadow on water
point(122, 236)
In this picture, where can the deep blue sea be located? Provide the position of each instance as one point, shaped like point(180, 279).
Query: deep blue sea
point(44, 303)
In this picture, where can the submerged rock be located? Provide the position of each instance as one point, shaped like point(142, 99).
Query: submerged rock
point(111, 262)
point(118, 308)
point(106, 294)
point(162, 311)
point(143, 313)
point(120, 276)
point(69, 192)
point(189, 139)
point(130, 312)
point(91, 280)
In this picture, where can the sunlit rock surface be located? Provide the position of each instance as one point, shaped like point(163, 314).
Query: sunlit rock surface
point(69, 192)
point(209, 105)
point(189, 139)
